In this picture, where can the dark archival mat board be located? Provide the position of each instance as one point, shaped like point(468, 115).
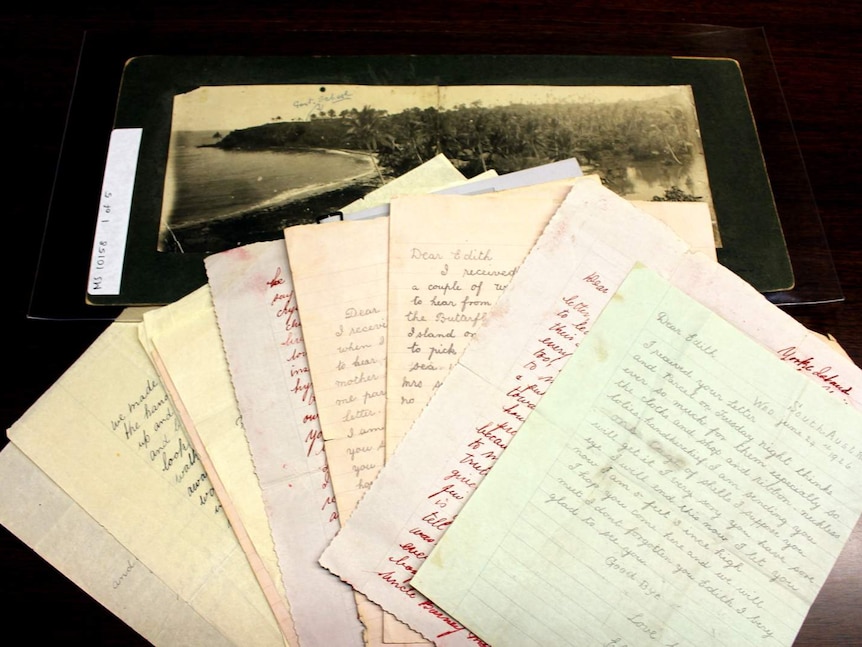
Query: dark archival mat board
point(144, 87)
point(752, 243)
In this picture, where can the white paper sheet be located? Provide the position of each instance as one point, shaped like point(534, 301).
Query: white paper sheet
point(262, 335)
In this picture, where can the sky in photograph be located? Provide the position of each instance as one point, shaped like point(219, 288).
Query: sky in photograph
point(226, 108)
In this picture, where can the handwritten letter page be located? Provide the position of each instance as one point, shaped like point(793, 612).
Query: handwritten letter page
point(107, 434)
point(580, 259)
point(525, 341)
point(339, 272)
point(450, 258)
point(263, 339)
point(675, 485)
point(184, 343)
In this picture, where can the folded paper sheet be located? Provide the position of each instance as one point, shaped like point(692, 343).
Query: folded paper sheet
point(262, 336)
point(186, 349)
point(339, 273)
point(106, 434)
point(581, 257)
point(678, 483)
point(48, 520)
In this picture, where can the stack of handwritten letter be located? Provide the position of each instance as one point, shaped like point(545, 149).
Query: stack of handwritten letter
point(538, 416)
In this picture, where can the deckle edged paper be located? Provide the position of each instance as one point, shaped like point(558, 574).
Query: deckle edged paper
point(184, 345)
point(339, 272)
point(677, 484)
point(584, 253)
point(262, 335)
point(446, 453)
point(450, 258)
point(107, 434)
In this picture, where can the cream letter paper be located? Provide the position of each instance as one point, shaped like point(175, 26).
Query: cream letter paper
point(262, 335)
point(581, 257)
point(676, 485)
point(107, 434)
point(692, 221)
point(339, 272)
point(184, 343)
point(450, 257)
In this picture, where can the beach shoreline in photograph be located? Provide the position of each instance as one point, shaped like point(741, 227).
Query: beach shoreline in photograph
point(268, 222)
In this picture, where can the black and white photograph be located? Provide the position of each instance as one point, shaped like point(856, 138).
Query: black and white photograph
point(246, 161)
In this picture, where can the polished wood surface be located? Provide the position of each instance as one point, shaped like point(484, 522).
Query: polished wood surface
point(817, 54)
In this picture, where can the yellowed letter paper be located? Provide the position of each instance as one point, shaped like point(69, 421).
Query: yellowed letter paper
point(184, 343)
point(450, 258)
point(107, 434)
point(677, 484)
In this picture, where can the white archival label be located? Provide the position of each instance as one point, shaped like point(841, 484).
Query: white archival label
point(115, 203)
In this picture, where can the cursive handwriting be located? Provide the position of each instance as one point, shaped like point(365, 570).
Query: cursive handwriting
point(691, 475)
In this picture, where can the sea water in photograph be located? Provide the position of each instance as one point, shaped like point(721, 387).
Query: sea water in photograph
point(216, 198)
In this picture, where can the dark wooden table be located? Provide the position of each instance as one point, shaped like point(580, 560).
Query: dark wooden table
point(817, 54)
